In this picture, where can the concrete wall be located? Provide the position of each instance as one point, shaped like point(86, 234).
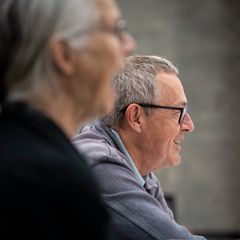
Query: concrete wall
point(202, 39)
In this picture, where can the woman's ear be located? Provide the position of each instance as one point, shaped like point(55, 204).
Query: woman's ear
point(63, 56)
point(133, 117)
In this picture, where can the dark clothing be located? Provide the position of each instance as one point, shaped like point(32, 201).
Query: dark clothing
point(47, 190)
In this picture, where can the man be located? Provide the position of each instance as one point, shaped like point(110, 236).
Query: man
point(143, 133)
point(56, 60)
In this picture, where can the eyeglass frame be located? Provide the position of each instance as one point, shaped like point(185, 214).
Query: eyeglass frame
point(183, 110)
point(118, 30)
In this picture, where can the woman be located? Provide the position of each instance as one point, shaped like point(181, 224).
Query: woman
point(56, 60)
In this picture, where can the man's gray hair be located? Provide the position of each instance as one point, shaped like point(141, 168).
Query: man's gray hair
point(27, 26)
point(136, 83)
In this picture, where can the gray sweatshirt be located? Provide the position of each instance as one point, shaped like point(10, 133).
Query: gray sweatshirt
point(138, 208)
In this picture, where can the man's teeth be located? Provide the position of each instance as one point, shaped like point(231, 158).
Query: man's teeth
point(177, 141)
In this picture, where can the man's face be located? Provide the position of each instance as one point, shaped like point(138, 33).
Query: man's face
point(162, 132)
point(103, 56)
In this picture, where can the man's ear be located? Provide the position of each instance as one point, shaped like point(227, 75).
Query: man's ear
point(63, 56)
point(133, 116)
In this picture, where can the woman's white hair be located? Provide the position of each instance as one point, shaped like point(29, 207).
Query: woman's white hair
point(27, 26)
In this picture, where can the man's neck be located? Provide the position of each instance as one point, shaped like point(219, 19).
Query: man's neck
point(129, 143)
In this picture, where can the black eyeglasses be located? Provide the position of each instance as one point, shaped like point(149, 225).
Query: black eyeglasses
point(183, 110)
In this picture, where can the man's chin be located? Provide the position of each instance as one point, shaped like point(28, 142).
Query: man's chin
point(176, 161)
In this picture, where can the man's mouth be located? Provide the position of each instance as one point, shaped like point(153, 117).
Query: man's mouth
point(178, 141)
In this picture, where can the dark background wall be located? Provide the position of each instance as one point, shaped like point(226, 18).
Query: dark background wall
point(203, 39)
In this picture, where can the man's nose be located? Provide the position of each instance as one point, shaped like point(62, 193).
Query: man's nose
point(187, 124)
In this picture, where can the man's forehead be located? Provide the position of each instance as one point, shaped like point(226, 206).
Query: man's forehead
point(171, 89)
